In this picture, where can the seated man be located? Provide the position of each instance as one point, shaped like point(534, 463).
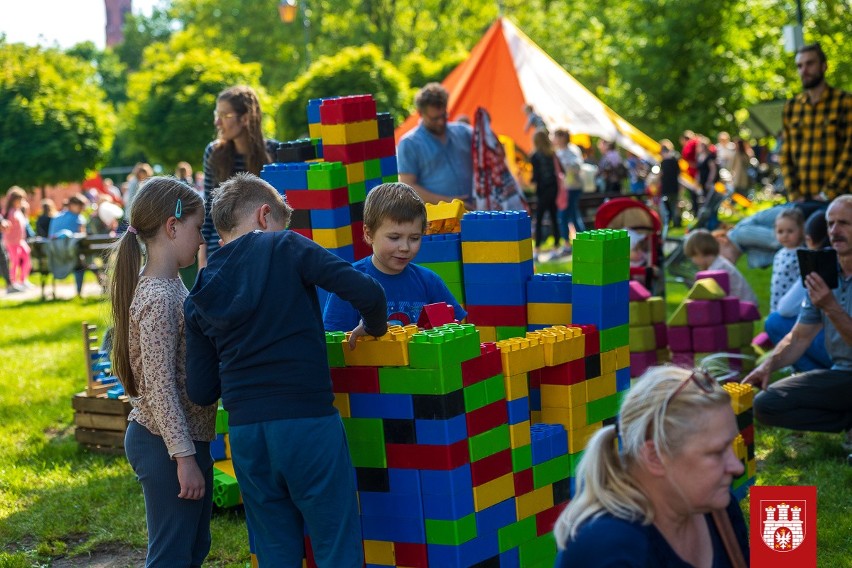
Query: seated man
point(817, 400)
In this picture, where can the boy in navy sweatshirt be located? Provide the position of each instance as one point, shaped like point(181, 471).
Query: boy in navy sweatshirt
point(255, 338)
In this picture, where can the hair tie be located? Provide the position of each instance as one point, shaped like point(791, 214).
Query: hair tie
point(131, 229)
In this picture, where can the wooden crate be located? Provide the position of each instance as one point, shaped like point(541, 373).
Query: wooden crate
point(100, 422)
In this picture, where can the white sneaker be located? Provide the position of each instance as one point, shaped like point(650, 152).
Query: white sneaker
point(13, 289)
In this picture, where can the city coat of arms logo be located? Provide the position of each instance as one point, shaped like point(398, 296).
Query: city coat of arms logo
point(783, 524)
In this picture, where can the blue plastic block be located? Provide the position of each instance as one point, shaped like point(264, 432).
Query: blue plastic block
point(441, 432)
point(489, 294)
point(622, 379)
point(519, 409)
point(314, 110)
point(391, 504)
point(371, 183)
point(388, 166)
point(484, 226)
point(549, 289)
point(440, 248)
point(537, 326)
point(370, 405)
point(511, 558)
point(572, 484)
point(494, 273)
point(396, 529)
point(604, 306)
point(217, 447)
point(346, 253)
point(496, 517)
point(319, 150)
point(535, 399)
point(548, 441)
point(330, 218)
point(450, 507)
point(466, 554)
point(404, 481)
point(559, 441)
point(740, 492)
point(284, 176)
point(115, 392)
point(446, 482)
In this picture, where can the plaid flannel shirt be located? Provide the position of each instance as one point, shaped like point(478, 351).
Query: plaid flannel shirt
point(817, 154)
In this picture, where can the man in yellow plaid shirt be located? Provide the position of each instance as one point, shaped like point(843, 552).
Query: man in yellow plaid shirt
point(816, 157)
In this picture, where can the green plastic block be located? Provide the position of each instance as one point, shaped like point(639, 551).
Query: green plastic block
point(443, 346)
point(357, 192)
point(457, 290)
point(735, 338)
point(706, 289)
point(484, 393)
point(600, 273)
point(226, 490)
point(521, 458)
point(615, 337)
point(221, 420)
point(538, 551)
point(405, 380)
point(366, 437)
point(489, 443)
point(450, 271)
point(601, 245)
point(334, 348)
point(390, 179)
point(642, 338)
point(551, 471)
point(510, 331)
point(372, 169)
point(512, 536)
point(326, 175)
point(679, 317)
point(603, 408)
point(451, 532)
point(574, 461)
point(640, 313)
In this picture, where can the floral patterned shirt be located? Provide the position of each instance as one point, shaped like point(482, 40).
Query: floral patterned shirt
point(158, 359)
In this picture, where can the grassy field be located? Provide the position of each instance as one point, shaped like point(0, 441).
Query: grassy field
point(57, 500)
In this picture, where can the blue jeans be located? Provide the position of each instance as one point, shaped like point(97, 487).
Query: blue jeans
point(296, 474)
point(816, 356)
point(178, 529)
point(571, 214)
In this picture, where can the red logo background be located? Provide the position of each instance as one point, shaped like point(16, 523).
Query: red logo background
point(804, 556)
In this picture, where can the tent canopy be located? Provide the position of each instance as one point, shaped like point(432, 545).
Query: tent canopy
point(506, 70)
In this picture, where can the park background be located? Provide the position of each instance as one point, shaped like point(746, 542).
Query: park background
point(665, 65)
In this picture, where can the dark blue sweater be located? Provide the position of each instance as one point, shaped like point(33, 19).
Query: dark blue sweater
point(254, 333)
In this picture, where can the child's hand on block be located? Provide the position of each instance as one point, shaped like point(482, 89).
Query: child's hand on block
point(356, 333)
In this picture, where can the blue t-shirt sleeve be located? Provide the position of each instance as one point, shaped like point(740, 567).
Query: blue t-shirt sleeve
point(406, 155)
point(338, 315)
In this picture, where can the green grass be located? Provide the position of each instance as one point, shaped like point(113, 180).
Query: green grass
point(57, 499)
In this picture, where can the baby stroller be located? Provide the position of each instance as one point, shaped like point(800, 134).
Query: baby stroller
point(645, 229)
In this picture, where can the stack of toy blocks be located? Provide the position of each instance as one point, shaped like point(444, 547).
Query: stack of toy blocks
point(226, 490)
point(742, 397)
point(548, 300)
point(711, 321)
point(648, 332)
point(497, 256)
point(440, 248)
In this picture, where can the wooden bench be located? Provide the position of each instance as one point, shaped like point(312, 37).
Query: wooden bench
point(92, 255)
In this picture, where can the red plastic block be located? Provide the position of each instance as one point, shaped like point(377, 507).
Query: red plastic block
point(309, 554)
point(486, 418)
point(354, 108)
point(307, 233)
point(593, 338)
point(545, 520)
point(346, 153)
point(411, 554)
point(748, 434)
point(359, 246)
point(318, 198)
point(490, 468)
point(355, 379)
point(569, 373)
point(497, 315)
point(487, 365)
point(534, 378)
point(421, 456)
point(436, 315)
point(523, 481)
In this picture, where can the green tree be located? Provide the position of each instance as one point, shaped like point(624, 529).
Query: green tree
point(172, 98)
point(140, 32)
point(56, 125)
point(111, 73)
point(353, 71)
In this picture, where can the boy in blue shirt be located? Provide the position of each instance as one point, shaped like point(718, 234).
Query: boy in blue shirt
point(394, 222)
point(254, 337)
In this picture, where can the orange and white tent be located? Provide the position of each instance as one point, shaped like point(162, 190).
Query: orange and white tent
point(507, 70)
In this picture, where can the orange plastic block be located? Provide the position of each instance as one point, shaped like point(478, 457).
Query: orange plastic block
point(493, 492)
point(389, 350)
point(534, 502)
point(521, 354)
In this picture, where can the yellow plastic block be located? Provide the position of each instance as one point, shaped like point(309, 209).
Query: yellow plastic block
point(379, 552)
point(539, 313)
point(333, 134)
point(355, 172)
point(341, 403)
point(517, 386)
point(519, 434)
point(521, 354)
point(622, 357)
point(609, 361)
point(444, 217)
point(534, 502)
point(535, 416)
point(705, 289)
point(742, 396)
point(333, 238)
point(315, 130)
point(600, 387)
point(640, 313)
point(497, 251)
point(679, 317)
point(225, 466)
point(663, 355)
point(389, 350)
point(740, 448)
point(579, 437)
point(362, 131)
point(493, 492)
point(563, 396)
point(571, 418)
point(642, 338)
point(562, 344)
point(751, 467)
point(487, 334)
point(658, 309)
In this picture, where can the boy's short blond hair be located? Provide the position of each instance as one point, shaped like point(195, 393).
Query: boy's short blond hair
point(240, 196)
point(395, 201)
point(701, 242)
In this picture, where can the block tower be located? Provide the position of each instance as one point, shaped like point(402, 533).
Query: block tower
point(742, 397)
point(440, 248)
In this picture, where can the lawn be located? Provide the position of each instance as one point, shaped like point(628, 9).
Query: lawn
point(57, 500)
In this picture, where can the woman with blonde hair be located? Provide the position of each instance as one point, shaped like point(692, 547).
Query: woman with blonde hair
point(654, 489)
